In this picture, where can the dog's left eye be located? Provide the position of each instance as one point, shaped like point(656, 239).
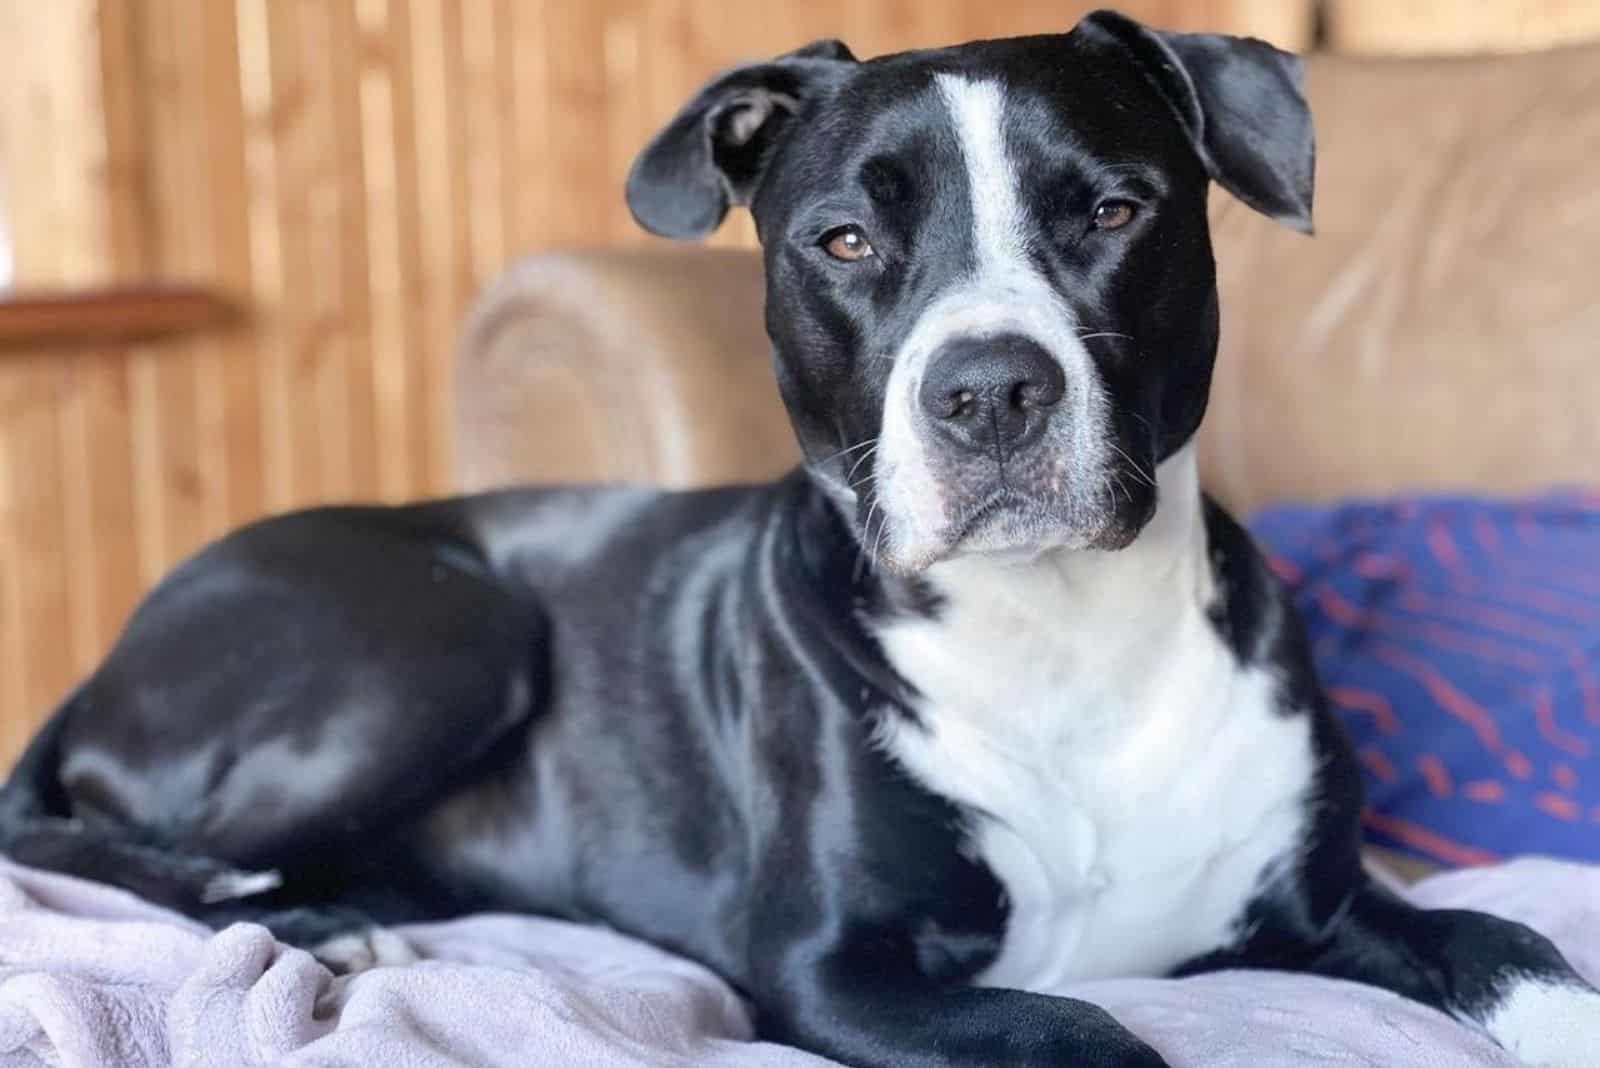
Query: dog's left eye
point(848, 244)
point(1114, 214)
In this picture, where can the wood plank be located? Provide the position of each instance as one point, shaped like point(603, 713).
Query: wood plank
point(1449, 27)
point(102, 546)
point(531, 188)
point(385, 281)
point(486, 117)
point(427, 475)
point(130, 217)
point(97, 422)
point(234, 357)
point(307, 311)
point(444, 261)
point(629, 114)
point(47, 136)
point(165, 388)
point(579, 174)
point(266, 238)
point(200, 465)
point(355, 407)
point(80, 158)
point(16, 717)
point(35, 569)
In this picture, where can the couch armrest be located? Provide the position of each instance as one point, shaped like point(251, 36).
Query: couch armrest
point(648, 366)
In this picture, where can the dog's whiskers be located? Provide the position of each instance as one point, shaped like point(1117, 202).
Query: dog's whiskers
point(828, 459)
point(1144, 476)
point(863, 458)
point(864, 555)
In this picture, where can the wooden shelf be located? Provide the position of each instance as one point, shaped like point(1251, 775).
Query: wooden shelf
point(74, 317)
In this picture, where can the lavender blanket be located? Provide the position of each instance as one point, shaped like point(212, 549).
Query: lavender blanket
point(93, 978)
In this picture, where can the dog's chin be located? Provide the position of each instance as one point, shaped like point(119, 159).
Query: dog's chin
point(1012, 531)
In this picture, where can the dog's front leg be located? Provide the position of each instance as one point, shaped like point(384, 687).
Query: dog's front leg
point(864, 1005)
point(1493, 974)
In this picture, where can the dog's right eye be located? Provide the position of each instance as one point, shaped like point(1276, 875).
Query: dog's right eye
point(1114, 214)
point(847, 244)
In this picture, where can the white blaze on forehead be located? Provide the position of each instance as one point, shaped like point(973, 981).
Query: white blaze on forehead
point(977, 109)
point(1004, 292)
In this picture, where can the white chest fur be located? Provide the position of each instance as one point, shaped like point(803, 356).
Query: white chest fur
point(1130, 785)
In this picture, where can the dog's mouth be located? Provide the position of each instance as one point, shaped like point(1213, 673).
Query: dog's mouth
point(1028, 510)
point(1003, 524)
point(998, 509)
point(1008, 522)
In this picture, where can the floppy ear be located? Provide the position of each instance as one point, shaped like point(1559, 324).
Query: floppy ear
point(715, 151)
point(1241, 102)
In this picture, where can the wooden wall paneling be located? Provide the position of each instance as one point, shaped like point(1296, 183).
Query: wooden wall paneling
point(355, 403)
point(388, 137)
point(443, 273)
point(233, 365)
point(101, 551)
point(1453, 27)
point(73, 393)
point(15, 719)
point(487, 112)
point(259, 123)
point(309, 241)
point(39, 601)
point(176, 508)
point(529, 178)
point(50, 143)
point(625, 54)
point(130, 222)
point(101, 547)
point(582, 171)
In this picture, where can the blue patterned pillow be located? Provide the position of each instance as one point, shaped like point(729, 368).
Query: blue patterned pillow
point(1459, 641)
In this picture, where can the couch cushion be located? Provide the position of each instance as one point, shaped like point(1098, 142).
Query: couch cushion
point(1442, 329)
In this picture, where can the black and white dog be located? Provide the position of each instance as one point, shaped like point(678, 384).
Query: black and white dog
point(986, 699)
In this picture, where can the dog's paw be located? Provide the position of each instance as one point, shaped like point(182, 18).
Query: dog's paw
point(1549, 1025)
point(360, 951)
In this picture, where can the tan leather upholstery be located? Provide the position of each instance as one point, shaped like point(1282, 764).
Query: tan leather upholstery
point(1441, 331)
point(639, 366)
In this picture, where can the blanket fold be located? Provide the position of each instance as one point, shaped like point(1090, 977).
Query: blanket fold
point(91, 977)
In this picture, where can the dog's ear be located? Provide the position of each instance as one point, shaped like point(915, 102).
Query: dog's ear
point(1241, 102)
point(715, 151)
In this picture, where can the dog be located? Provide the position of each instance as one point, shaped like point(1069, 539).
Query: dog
point(984, 699)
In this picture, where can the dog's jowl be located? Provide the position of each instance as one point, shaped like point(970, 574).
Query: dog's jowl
point(985, 699)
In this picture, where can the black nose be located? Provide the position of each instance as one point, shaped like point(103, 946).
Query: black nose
point(991, 392)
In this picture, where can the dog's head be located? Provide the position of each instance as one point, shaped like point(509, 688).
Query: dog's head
point(990, 288)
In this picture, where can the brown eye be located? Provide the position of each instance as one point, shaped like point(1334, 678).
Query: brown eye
point(1113, 215)
point(847, 244)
